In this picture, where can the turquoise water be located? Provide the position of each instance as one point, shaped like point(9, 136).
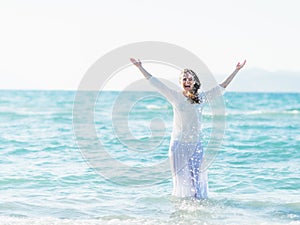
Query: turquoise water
point(44, 178)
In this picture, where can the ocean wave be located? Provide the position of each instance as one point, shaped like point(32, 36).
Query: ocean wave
point(265, 112)
point(157, 106)
point(18, 113)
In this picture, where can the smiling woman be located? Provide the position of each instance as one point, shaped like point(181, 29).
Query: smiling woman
point(190, 84)
point(186, 150)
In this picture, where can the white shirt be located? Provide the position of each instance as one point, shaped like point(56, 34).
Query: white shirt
point(187, 116)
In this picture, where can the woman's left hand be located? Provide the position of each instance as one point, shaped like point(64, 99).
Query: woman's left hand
point(240, 66)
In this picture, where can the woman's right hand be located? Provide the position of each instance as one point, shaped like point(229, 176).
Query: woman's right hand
point(135, 62)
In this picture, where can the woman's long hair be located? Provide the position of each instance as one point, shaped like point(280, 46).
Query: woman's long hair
point(193, 95)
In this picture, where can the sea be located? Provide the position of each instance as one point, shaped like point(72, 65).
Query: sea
point(48, 175)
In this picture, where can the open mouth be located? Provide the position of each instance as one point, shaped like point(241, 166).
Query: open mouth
point(187, 86)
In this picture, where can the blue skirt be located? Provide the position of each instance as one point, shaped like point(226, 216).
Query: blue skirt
point(189, 179)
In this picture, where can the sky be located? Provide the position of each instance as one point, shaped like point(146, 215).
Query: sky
point(51, 44)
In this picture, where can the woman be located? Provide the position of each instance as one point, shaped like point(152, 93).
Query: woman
point(186, 151)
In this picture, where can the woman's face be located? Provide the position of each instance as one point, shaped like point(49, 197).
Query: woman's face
point(187, 82)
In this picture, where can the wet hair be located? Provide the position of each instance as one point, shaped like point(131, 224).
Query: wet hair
point(193, 95)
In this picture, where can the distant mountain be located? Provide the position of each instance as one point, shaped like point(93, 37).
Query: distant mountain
point(259, 80)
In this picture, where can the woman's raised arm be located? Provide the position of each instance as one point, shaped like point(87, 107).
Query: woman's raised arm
point(239, 66)
point(138, 64)
point(166, 91)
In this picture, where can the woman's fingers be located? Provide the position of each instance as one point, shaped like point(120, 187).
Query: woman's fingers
point(136, 62)
point(133, 60)
point(244, 62)
point(239, 65)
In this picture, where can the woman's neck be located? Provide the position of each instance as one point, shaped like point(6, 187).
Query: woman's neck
point(185, 93)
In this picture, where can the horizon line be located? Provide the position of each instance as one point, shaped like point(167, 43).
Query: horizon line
point(115, 90)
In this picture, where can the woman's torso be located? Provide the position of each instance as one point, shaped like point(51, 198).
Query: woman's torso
point(186, 120)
